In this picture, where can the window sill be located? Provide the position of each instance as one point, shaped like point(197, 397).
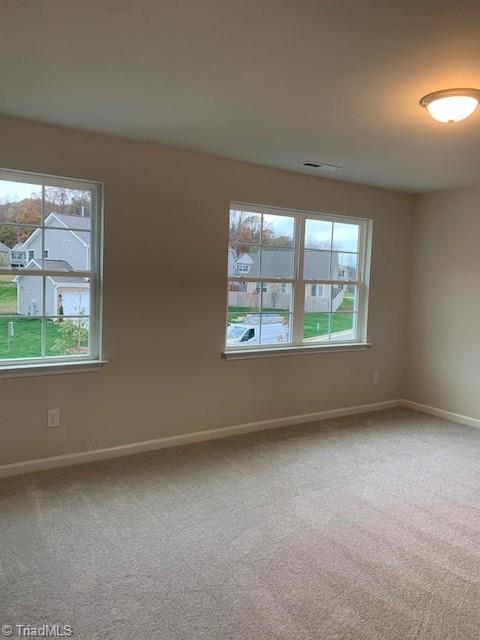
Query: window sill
point(50, 368)
point(293, 351)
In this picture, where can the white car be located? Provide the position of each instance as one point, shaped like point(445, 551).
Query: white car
point(248, 333)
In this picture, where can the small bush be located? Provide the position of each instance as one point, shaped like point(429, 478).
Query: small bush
point(72, 337)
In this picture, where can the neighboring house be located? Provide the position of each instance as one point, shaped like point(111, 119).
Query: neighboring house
point(64, 250)
point(4, 256)
point(277, 262)
point(18, 256)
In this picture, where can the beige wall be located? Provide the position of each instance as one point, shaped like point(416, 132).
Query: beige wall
point(165, 265)
point(444, 319)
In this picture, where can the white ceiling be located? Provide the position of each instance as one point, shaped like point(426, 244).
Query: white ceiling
point(273, 82)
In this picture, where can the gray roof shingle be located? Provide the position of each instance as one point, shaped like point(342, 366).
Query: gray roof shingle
point(57, 265)
point(278, 263)
point(62, 265)
point(80, 225)
point(64, 280)
point(73, 222)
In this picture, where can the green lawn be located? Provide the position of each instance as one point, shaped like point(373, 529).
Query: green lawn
point(26, 342)
point(8, 296)
point(27, 338)
point(315, 324)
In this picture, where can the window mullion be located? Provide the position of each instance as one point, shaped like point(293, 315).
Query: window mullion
point(43, 327)
point(299, 285)
point(44, 280)
point(46, 272)
point(363, 286)
point(339, 282)
point(42, 257)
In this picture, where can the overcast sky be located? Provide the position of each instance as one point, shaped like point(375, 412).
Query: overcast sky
point(345, 236)
point(16, 191)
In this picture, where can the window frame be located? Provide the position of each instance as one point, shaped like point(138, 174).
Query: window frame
point(298, 283)
point(52, 363)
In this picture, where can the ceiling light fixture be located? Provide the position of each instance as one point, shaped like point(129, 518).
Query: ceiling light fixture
point(451, 105)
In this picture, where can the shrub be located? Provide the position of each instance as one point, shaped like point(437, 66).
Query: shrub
point(72, 337)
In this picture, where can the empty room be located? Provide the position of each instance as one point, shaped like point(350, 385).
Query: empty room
point(239, 319)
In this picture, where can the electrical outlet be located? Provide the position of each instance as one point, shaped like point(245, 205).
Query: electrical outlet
point(376, 377)
point(53, 418)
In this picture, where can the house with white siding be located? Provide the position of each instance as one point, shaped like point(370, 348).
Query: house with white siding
point(4, 255)
point(275, 262)
point(18, 256)
point(64, 249)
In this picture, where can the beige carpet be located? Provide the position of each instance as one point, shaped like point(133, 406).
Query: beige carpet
point(362, 528)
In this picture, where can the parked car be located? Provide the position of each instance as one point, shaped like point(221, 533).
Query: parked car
point(273, 331)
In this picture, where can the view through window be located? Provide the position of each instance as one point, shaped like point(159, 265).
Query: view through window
point(49, 268)
point(295, 278)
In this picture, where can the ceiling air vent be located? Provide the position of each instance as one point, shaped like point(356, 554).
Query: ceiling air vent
point(320, 165)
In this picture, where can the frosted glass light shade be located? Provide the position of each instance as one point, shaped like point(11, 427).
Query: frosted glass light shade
point(451, 105)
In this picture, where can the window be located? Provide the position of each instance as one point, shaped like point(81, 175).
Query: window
point(50, 286)
point(307, 283)
point(316, 290)
point(242, 268)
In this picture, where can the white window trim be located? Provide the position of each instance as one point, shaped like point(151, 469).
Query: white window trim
point(298, 346)
point(51, 368)
point(291, 350)
point(64, 364)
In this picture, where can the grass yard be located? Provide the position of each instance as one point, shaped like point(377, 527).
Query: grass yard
point(8, 295)
point(315, 324)
point(26, 342)
point(27, 339)
point(61, 338)
point(243, 311)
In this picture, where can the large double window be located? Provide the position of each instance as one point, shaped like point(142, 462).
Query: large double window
point(295, 279)
point(50, 234)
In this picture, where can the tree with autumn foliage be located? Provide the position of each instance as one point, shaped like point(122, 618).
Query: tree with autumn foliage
point(246, 230)
point(29, 211)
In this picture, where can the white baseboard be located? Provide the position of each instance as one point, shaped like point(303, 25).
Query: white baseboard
point(80, 457)
point(441, 413)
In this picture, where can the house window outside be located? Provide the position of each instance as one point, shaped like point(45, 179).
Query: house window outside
point(50, 304)
point(316, 290)
point(242, 268)
point(308, 278)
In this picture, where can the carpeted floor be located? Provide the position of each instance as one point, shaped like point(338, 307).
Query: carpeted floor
point(359, 528)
